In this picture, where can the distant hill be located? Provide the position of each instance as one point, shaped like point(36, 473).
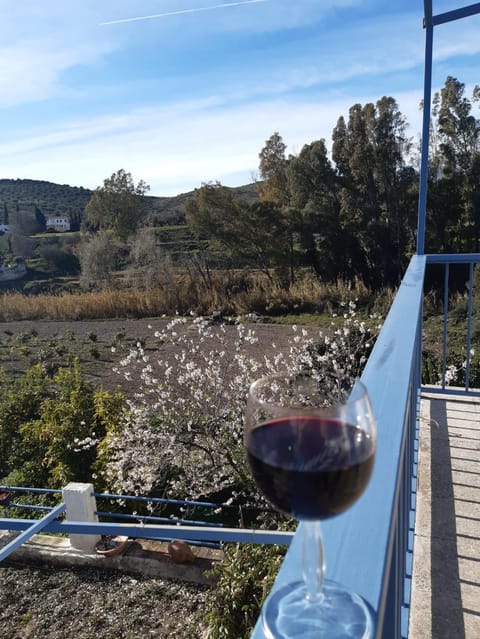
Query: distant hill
point(62, 199)
point(50, 198)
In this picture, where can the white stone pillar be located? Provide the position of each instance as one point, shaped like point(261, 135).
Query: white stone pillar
point(81, 505)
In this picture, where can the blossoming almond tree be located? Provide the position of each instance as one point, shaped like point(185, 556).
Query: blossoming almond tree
point(184, 431)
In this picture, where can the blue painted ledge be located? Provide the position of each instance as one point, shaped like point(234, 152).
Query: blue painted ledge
point(359, 544)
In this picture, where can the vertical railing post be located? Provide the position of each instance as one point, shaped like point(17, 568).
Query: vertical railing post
point(469, 325)
point(80, 505)
point(445, 323)
point(427, 99)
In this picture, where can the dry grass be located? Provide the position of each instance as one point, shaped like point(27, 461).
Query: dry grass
point(231, 293)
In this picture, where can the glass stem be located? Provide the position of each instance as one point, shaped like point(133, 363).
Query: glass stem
point(313, 560)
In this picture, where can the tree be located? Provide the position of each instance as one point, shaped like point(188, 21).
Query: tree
point(255, 235)
point(353, 153)
point(60, 258)
point(272, 170)
point(339, 152)
point(370, 153)
point(40, 217)
point(49, 428)
point(72, 420)
point(453, 210)
point(394, 184)
point(20, 402)
point(98, 258)
point(147, 258)
point(118, 205)
point(184, 433)
point(459, 128)
point(314, 207)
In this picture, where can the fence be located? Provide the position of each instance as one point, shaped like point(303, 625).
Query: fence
point(84, 528)
point(370, 547)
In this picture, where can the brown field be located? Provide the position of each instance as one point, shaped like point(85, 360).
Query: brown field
point(28, 342)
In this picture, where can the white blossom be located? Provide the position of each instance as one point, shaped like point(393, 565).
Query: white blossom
point(184, 429)
point(451, 374)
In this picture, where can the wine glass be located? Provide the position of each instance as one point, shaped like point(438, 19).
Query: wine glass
point(311, 459)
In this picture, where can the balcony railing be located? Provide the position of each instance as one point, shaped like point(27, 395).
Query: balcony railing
point(370, 547)
point(80, 499)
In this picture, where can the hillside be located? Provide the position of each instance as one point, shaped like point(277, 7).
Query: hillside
point(61, 199)
point(50, 198)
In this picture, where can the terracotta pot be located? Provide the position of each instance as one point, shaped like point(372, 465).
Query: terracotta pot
point(180, 552)
point(111, 546)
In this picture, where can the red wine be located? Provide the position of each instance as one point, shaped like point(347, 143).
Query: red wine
point(309, 467)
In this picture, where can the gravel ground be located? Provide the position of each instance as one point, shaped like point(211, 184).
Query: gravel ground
point(43, 602)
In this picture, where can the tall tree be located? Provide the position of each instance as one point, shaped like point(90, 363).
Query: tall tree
point(353, 151)
point(118, 205)
point(313, 195)
point(40, 217)
point(394, 183)
point(272, 167)
point(370, 152)
point(459, 128)
point(339, 146)
point(453, 211)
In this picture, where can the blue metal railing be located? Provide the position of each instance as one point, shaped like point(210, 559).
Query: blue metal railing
point(468, 260)
point(167, 532)
point(31, 529)
point(161, 529)
point(370, 547)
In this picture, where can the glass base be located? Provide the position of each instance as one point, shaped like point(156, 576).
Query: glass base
point(338, 613)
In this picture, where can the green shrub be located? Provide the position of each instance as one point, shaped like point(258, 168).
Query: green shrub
point(50, 428)
point(455, 374)
point(244, 579)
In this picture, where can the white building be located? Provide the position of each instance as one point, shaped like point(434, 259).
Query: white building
point(58, 223)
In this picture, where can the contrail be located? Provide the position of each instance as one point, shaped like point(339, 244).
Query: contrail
point(176, 13)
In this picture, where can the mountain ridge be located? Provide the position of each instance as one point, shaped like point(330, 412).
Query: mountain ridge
point(62, 199)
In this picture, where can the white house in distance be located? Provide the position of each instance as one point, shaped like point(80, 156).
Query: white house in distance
point(57, 223)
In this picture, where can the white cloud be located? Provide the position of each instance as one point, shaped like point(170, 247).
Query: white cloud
point(457, 38)
point(32, 71)
point(217, 131)
point(72, 38)
point(178, 148)
point(40, 42)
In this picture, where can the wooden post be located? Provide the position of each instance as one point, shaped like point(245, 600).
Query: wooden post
point(81, 505)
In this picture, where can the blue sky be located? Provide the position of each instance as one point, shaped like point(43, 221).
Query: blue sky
point(191, 95)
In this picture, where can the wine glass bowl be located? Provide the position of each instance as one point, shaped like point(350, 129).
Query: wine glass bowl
point(311, 459)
